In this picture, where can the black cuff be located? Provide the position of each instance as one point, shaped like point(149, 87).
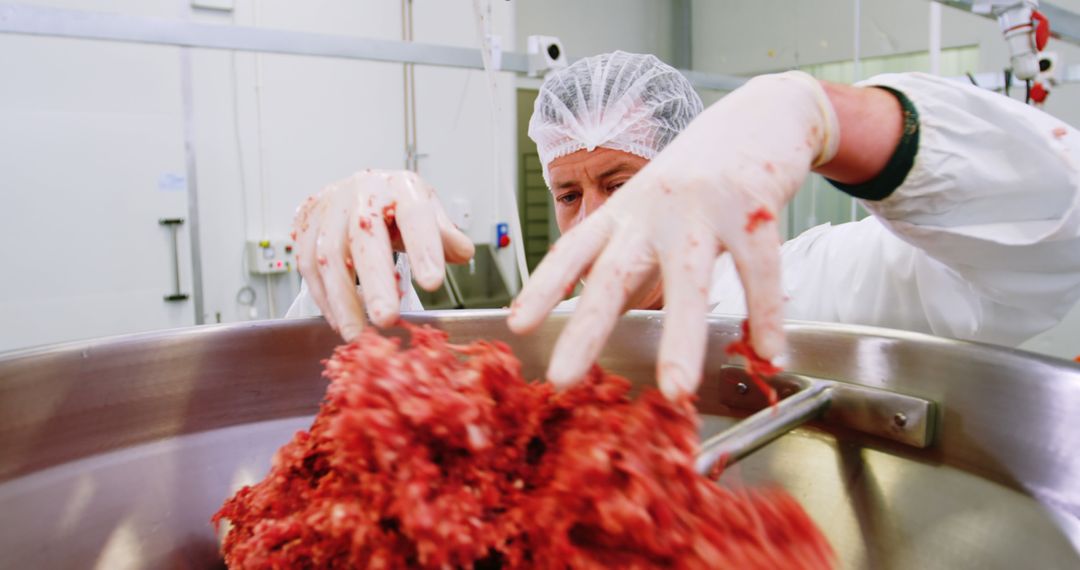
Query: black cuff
point(903, 158)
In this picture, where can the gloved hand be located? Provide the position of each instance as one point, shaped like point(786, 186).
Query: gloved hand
point(352, 228)
point(717, 187)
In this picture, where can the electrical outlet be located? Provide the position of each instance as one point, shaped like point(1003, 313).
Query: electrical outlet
point(267, 257)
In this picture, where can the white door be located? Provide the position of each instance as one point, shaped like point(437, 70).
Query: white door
point(91, 157)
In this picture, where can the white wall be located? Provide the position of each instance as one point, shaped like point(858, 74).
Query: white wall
point(86, 128)
point(82, 146)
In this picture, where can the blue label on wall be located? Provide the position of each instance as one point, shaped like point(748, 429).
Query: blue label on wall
point(172, 182)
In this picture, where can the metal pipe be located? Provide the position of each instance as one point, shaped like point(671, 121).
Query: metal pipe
point(857, 76)
point(756, 431)
point(682, 30)
point(414, 140)
point(857, 43)
point(935, 38)
point(191, 172)
point(408, 74)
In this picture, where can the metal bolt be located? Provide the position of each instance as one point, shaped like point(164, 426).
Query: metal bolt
point(900, 419)
point(742, 388)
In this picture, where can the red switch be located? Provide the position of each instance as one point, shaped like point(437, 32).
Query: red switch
point(502, 235)
point(1038, 92)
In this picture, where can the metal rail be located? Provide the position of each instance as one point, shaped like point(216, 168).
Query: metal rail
point(82, 24)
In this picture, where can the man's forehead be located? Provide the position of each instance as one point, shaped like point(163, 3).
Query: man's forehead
point(596, 163)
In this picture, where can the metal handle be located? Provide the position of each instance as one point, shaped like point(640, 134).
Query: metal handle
point(878, 413)
point(756, 431)
point(174, 226)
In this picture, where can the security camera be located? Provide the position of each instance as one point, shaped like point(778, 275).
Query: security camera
point(545, 54)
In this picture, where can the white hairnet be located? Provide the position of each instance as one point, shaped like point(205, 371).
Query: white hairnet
point(623, 101)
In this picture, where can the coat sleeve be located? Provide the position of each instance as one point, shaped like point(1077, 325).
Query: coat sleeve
point(980, 241)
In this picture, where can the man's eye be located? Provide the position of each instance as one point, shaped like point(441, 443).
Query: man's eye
point(568, 198)
point(615, 186)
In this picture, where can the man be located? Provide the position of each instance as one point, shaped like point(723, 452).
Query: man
point(975, 233)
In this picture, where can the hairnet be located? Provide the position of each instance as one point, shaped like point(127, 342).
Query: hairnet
point(623, 101)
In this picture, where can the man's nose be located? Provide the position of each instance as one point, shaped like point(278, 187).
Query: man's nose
point(594, 200)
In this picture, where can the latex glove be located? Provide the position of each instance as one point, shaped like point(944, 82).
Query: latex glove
point(352, 228)
point(717, 187)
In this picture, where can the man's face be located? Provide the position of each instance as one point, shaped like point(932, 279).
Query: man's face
point(582, 181)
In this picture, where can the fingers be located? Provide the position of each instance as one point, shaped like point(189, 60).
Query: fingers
point(307, 227)
point(618, 273)
point(757, 259)
point(369, 244)
point(420, 233)
point(335, 266)
point(341, 303)
point(457, 247)
point(347, 226)
point(687, 273)
point(559, 270)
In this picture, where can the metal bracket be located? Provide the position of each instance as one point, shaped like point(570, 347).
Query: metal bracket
point(872, 411)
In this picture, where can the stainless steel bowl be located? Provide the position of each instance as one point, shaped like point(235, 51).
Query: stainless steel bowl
point(114, 453)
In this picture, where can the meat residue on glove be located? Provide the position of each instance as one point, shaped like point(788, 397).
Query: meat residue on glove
point(443, 456)
point(757, 217)
point(757, 368)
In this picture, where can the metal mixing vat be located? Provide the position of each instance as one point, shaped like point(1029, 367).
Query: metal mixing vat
point(114, 453)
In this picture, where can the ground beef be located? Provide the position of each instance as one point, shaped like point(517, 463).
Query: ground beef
point(757, 217)
point(443, 456)
point(757, 368)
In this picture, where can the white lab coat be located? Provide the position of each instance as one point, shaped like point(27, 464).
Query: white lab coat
point(980, 242)
point(304, 305)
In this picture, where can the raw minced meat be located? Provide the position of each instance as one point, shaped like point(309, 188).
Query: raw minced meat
point(757, 368)
point(443, 456)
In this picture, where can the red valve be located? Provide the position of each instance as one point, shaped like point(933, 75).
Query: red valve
point(504, 241)
point(1038, 92)
point(1042, 29)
